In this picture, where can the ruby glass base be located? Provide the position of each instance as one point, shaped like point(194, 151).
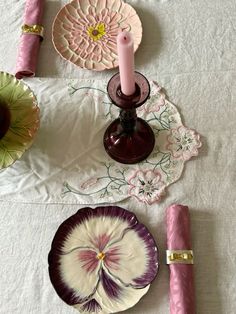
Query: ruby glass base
point(131, 147)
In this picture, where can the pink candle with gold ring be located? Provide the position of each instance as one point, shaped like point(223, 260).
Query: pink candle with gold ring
point(125, 50)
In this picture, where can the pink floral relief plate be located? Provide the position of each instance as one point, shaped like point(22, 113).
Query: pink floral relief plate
point(102, 260)
point(84, 31)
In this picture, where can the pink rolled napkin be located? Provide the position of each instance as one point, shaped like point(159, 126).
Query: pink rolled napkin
point(29, 43)
point(180, 260)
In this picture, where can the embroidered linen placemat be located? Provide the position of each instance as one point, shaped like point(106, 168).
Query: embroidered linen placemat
point(67, 162)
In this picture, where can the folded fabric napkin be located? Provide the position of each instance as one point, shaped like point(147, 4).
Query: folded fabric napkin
point(180, 260)
point(30, 39)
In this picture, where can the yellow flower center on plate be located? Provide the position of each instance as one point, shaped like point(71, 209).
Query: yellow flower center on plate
point(101, 255)
point(97, 32)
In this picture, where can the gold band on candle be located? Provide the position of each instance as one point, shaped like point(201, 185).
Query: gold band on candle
point(33, 30)
point(179, 257)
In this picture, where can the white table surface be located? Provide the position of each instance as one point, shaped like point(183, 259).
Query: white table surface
point(189, 47)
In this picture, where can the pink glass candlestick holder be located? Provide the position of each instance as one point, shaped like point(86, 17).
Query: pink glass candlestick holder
point(129, 139)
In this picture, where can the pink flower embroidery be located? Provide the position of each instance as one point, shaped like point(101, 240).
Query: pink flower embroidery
point(156, 102)
point(147, 186)
point(183, 143)
point(90, 182)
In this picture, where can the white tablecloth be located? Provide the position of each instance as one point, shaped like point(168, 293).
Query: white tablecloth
point(189, 48)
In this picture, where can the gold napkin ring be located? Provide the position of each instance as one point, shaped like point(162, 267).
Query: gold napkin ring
point(179, 257)
point(33, 30)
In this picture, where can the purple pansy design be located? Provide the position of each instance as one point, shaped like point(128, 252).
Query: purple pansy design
point(102, 260)
point(183, 143)
point(146, 186)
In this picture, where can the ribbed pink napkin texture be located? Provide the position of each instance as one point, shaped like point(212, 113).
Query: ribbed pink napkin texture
point(29, 44)
point(181, 275)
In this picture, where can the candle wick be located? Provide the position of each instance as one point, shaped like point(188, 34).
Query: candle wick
point(125, 38)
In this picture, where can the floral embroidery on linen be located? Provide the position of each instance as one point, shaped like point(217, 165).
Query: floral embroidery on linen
point(146, 181)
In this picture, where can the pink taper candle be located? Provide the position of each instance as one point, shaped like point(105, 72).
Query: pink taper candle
point(125, 49)
point(181, 274)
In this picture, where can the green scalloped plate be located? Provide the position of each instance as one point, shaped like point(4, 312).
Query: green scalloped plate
point(19, 118)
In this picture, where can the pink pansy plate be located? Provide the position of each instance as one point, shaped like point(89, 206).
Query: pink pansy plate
point(84, 31)
point(102, 260)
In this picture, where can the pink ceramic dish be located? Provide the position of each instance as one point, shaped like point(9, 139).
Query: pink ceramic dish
point(102, 260)
point(84, 32)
